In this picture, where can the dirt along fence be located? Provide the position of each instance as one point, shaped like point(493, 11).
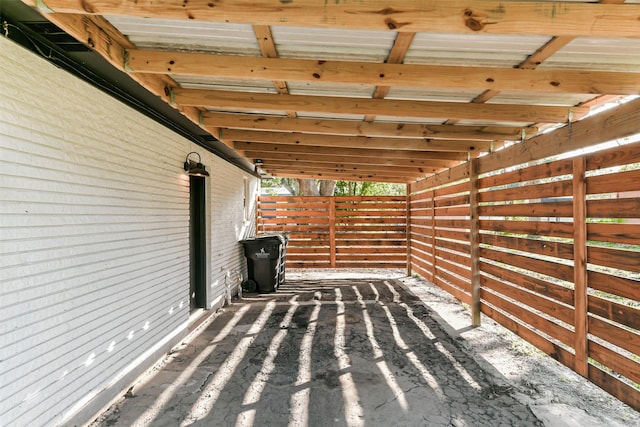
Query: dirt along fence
point(340, 232)
point(551, 250)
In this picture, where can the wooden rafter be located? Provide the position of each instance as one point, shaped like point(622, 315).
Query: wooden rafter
point(344, 176)
point(268, 49)
point(396, 56)
point(444, 16)
point(303, 140)
point(243, 101)
point(354, 128)
point(272, 165)
point(525, 78)
point(384, 155)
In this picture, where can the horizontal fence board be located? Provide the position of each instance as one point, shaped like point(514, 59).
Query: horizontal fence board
point(538, 247)
point(446, 276)
point(370, 228)
point(523, 331)
point(548, 268)
point(462, 271)
point(453, 257)
point(546, 210)
point(614, 334)
point(614, 208)
point(620, 286)
point(534, 301)
point(529, 192)
point(373, 213)
point(614, 386)
point(614, 258)
point(614, 233)
point(542, 171)
point(457, 200)
point(535, 228)
point(542, 287)
point(462, 247)
point(623, 365)
point(453, 290)
point(615, 312)
point(461, 235)
point(371, 206)
point(362, 221)
point(614, 182)
point(368, 251)
point(616, 156)
point(540, 323)
point(449, 190)
point(369, 242)
point(374, 264)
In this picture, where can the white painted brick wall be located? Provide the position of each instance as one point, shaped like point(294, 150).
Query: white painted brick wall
point(94, 246)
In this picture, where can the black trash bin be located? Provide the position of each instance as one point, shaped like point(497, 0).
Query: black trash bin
point(263, 263)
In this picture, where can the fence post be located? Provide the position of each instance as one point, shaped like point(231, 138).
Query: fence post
point(433, 236)
point(332, 230)
point(581, 361)
point(408, 231)
point(474, 237)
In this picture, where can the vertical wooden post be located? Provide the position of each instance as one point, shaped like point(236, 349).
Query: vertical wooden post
point(408, 231)
point(580, 266)
point(332, 230)
point(474, 241)
point(433, 236)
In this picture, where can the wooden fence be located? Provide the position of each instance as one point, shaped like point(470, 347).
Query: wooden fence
point(342, 232)
point(551, 251)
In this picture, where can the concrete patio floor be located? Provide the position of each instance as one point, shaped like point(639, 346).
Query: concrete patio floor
point(323, 352)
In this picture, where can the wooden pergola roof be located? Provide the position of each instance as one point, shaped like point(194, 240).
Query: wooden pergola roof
point(371, 90)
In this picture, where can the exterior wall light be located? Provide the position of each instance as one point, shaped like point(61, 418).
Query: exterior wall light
point(195, 169)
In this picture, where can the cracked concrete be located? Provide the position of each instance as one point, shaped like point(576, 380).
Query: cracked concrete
point(328, 352)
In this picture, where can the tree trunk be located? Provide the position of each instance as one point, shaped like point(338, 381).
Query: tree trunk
point(327, 188)
point(308, 187)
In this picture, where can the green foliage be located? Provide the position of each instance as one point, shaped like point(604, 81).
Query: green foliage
point(343, 188)
point(357, 188)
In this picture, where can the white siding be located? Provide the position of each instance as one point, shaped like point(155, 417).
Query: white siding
point(94, 243)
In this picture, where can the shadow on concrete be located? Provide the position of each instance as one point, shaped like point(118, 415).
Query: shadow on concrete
point(346, 352)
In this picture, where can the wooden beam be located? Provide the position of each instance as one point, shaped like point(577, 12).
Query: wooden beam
point(355, 127)
point(346, 168)
point(365, 162)
point(268, 49)
point(385, 74)
point(360, 142)
point(544, 52)
point(347, 177)
point(275, 148)
point(347, 105)
point(438, 16)
point(396, 56)
point(349, 160)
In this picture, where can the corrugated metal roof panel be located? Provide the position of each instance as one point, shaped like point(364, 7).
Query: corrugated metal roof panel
point(473, 50)
point(332, 44)
point(248, 111)
point(356, 117)
point(597, 54)
point(188, 35)
point(523, 98)
point(326, 89)
point(424, 121)
point(201, 82)
point(422, 94)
